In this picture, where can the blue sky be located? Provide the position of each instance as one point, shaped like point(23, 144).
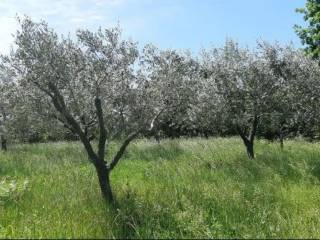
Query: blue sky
point(180, 24)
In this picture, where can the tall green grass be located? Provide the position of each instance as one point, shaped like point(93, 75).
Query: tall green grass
point(188, 188)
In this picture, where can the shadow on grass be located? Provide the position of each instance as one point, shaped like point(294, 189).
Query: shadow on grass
point(133, 217)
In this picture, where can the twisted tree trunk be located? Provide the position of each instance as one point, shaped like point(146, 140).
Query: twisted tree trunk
point(96, 158)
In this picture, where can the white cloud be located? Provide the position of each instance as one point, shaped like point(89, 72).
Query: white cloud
point(63, 15)
point(140, 19)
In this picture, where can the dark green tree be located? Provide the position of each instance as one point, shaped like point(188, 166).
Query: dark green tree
point(310, 34)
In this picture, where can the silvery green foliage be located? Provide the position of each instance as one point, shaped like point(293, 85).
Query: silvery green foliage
point(90, 85)
point(223, 89)
point(172, 79)
point(5, 96)
point(291, 68)
point(97, 65)
point(241, 81)
point(305, 90)
point(278, 84)
point(296, 105)
point(20, 118)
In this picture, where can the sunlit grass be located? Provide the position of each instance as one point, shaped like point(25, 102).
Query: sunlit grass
point(188, 188)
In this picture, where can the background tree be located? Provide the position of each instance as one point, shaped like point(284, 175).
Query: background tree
point(280, 120)
point(173, 77)
point(6, 93)
point(245, 85)
point(310, 34)
point(306, 90)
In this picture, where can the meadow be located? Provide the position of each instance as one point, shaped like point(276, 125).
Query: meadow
point(184, 188)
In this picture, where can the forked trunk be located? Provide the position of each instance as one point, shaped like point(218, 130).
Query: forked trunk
point(249, 140)
point(104, 182)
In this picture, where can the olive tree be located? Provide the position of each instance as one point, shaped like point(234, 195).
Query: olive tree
point(209, 110)
point(245, 85)
point(305, 89)
point(6, 93)
point(90, 81)
point(290, 67)
point(173, 76)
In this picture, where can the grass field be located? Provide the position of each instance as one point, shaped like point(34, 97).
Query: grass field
point(177, 189)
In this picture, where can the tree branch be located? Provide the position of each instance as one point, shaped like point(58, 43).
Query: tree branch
point(242, 135)
point(132, 136)
point(155, 119)
point(58, 102)
point(63, 122)
point(122, 149)
point(43, 89)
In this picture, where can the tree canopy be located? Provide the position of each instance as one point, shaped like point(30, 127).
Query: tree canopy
point(310, 34)
point(97, 87)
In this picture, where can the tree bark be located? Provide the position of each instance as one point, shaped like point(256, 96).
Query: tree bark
point(249, 145)
point(3, 143)
point(281, 138)
point(104, 182)
point(250, 152)
point(249, 140)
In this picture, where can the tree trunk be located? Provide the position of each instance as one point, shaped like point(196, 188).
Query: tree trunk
point(157, 137)
point(250, 151)
point(104, 182)
point(206, 135)
point(281, 142)
point(281, 138)
point(249, 146)
point(3, 143)
point(249, 140)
